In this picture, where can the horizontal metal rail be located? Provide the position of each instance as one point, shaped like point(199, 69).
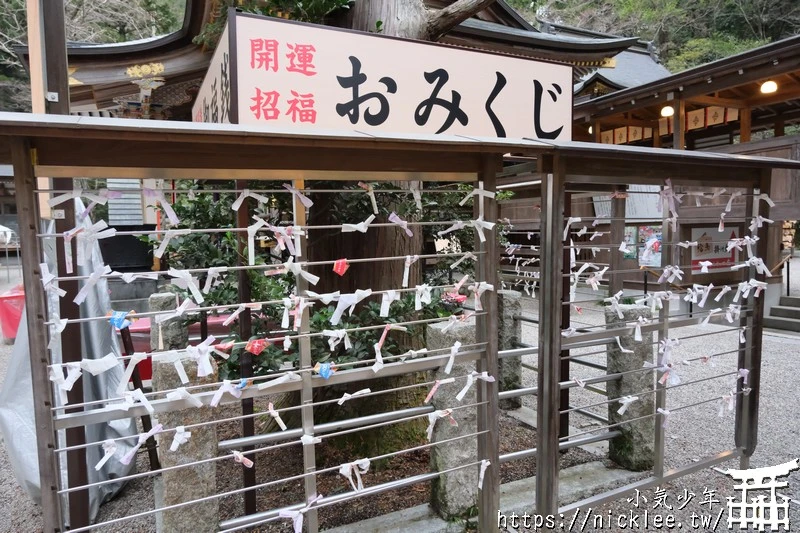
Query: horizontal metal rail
point(586, 412)
point(321, 429)
point(524, 454)
point(106, 414)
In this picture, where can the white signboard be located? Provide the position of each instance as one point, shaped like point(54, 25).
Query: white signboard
point(213, 102)
point(302, 76)
point(643, 206)
point(713, 246)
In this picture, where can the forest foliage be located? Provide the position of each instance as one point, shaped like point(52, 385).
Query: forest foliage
point(686, 33)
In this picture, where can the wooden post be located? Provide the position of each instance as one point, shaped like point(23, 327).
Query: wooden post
point(679, 124)
point(486, 331)
point(549, 339)
point(25, 184)
point(598, 137)
point(745, 124)
point(779, 128)
point(617, 236)
point(246, 358)
point(57, 93)
point(147, 424)
point(656, 137)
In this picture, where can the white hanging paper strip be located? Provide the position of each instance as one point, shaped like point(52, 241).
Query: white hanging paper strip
point(94, 277)
point(336, 337)
point(182, 394)
point(386, 301)
point(252, 229)
point(160, 198)
point(184, 280)
point(360, 227)
point(128, 457)
point(422, 296)
point(168, 236)
point(450, 360)
point(570, 222)
point(109, 449)
point(97, 366)
point(135, 359)
point(485, 463)
point(356, 467)
point(297, 516)
point(89, 237)
point(129, 399)
point(467, 255)
point(625, 402)
point(348, 302)
point(471, 377)
point(276, 416)
point(346, 396)
point(370, 190)
point(181, 437)
point(395, 219)
point(478, 291)
point(286, 378)
point(410, 260)
point(480, 225)
point(436, 415)
point(305, 200)
point(228, 387)
point(247, 193)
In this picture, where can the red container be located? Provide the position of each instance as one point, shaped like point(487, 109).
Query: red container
point(11, 305)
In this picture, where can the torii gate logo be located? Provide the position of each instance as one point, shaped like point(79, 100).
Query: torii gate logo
point(759, 512)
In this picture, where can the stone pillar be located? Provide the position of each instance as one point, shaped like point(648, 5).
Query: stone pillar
point(633, 449)
point(455, 493)
point(510, 333)
point(194, 482)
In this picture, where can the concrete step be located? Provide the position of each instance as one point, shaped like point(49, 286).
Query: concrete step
point(784, 311)
point(140, 305)
point(788, 324)
point(790, 301)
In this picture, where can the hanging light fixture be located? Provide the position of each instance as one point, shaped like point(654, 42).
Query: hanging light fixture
point(667, 111)
point(769, 87)
point(591, 130)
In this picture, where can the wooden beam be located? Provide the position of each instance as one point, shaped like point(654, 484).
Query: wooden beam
point(716, 100)
point(780, 96)
point(623, 121)
point(679, 124)
point(745, 125)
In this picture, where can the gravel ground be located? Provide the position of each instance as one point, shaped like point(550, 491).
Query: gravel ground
point(698, 432)
point(693, 433)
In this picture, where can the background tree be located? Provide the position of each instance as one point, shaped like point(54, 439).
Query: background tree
point(90, 21)
point(686, 33)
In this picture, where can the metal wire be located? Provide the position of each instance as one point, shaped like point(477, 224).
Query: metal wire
point(648, 391)
point(165, 273)
point(259, 378)
point(242, 230)
point(256, 415)
point(253, 451)
point(228, 493)
point(593, 430)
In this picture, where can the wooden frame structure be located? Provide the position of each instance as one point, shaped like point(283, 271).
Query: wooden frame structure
point(72, 147)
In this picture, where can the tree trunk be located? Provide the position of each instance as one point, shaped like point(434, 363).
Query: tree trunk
point(400, 18)
point(408, 19)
